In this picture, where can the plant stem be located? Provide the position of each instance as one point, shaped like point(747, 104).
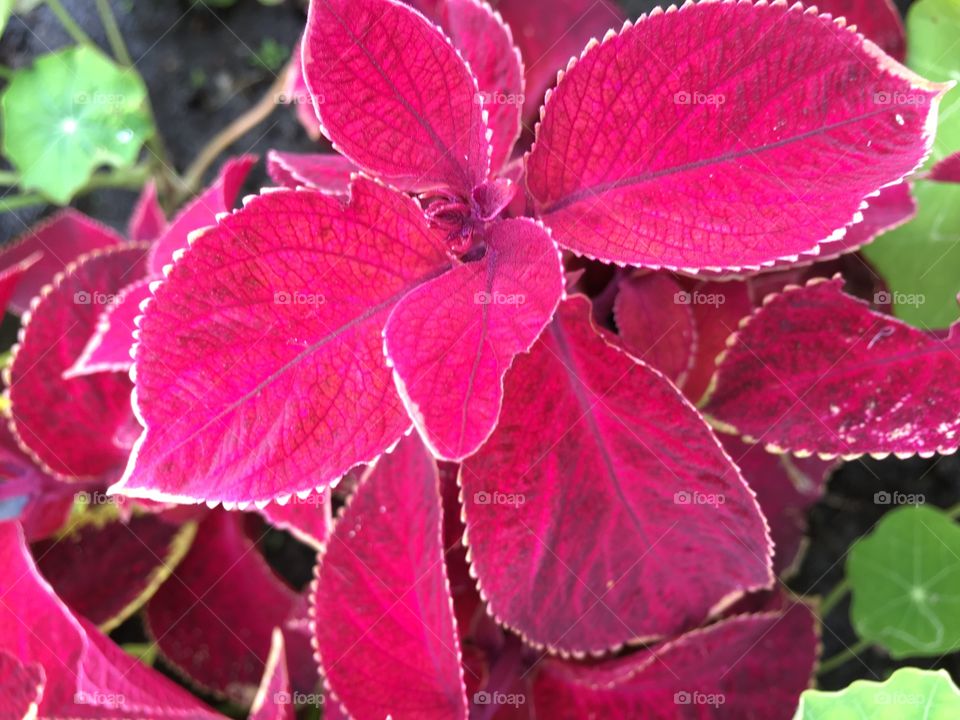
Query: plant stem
point(830, 600)
point(126, 178)
point(69, 24)
point(953, 511)
point(226, 137)
point(117, 44)
point(8, 177)
point(14, 202)
point(835, 661)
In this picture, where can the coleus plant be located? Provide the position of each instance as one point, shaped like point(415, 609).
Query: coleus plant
point(424, 282)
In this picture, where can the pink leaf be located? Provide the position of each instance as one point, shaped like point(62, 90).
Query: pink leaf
point(892, 207)
point(550, 33)
point(393, 95)
point(12, 275)
point(108, 349)
point(307, 519)
point(717, 311)
point(654, 315)
point(273, 700)
point(295, 92)
point(282, 343)
point(384, 622)
point(947, 170)
point(325, 171)
point(750, 666)
point(59, 240)
point(213, 619)
point(850, 381)
point(720, 170)
point(87, 676)
point(107, 570)
point(674, 534)
point(202, 211)
point(786, 489)
point(82, 427)
point(451, 340)
point(21, 687)
point(147, 222)
point(486, 44)
point(877, 20)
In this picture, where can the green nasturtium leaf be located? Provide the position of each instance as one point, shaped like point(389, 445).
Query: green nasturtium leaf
point(6, 8)
point(932, 51)
point(72, 112)
point(921, 260)
point(905, 581)
point(908, 694)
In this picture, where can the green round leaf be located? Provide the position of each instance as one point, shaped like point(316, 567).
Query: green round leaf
point(921, 260)
point(72, 112)
point(905, 581)
point(908, 694)
point(932, 30)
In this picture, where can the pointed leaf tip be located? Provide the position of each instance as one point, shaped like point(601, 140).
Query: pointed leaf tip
point(720, 154)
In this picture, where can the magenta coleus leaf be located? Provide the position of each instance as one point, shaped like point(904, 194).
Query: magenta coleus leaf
point(877, 20)
point(59, 241)
point(394, 96)
point(718, 308)
point(295, 92)
point(87, 675)
point(308, 519)
point(82, 427)
point(290, 329)
point(21, 687)
point(486, 43)
point(674, 536)
point(720, 168)
point(106, 570)
point(786, 488)
point(200, 212)
point(947, 170)
point(274, 700)
point(654, 316)
point(850, 381)
point(147, 222)
point(385, 631)
point(108, 349)
point(550, 33)
point(324, 171)
point(749, 666)
point(11, 276)
point(213, 619)
point(451, 340)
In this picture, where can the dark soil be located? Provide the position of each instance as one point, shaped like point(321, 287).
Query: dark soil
point(202, 68)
